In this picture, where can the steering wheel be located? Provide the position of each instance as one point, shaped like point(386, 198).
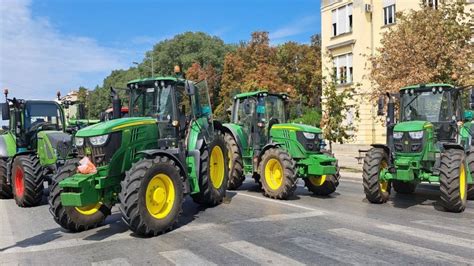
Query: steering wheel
point(42, 126)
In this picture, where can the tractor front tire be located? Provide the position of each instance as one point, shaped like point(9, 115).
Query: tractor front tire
point(453, 180)
point(152, 196)
point(27, 181)
point(214, 173)
point(470, 188)
point(236, 176)
point(376, 191)
point(404, 187)
point(5, 188)
point(278, 174)
point(74, 219)
point(323, 185)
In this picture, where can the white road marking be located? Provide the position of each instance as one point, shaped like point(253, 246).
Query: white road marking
point(66, 244)
point(341, 255)
point(259, 254)
point(399, 247)
point(442, 225)
point(283, 217)
point(185, 257)
point(278, 202)
point(428, 235)
point(114, 262)
point(195, 227)
point(6, 232)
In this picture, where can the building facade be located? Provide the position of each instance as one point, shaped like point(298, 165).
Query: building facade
point(351, 31)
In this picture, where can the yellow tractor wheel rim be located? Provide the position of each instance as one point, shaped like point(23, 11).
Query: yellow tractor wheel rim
point(383, 184)
point(89, 209)
point(160, 196)
point(462, 182)
point(217, 167)
point(274, 174)
point(317, 180)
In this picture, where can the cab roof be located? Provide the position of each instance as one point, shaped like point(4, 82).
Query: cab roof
point(153, 79)
point(258, 93)
point(430, 85)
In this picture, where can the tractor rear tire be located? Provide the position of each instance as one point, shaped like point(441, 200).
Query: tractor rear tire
point(5, 188)
point(404, 187)
point(375, 191)
point(152, 196)
point(323, 185)
point(236, 176)
point(68, 217)
point(278, 174)
point(27, 180)
point(214, 172)
point(453, 180)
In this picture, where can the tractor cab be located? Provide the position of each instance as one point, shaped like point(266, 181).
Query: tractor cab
point(438, 104)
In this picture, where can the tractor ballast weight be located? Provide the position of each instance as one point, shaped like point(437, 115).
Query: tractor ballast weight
point(32, 149)
point(147, 162)
point(430, 142)
point(261, 143)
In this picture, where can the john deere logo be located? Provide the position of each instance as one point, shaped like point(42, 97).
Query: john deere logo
point(88, 151)
point(406, 142)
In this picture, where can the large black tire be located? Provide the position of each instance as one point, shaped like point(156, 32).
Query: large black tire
point(276, 162)
point(69, 217)
point(236, 176)
point(329, 183)
point(212, 191)
point(470, 188)
point(452, 170)
point(146, 178)
point(27, 180)
point(375, 191)
point(5, 188)
point(403, 187)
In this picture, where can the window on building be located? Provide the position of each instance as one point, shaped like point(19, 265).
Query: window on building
point(343, 71)
point(433, 3)
point(389, 15)
point(342, 20)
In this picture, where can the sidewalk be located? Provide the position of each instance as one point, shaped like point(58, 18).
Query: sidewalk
point(346, 155)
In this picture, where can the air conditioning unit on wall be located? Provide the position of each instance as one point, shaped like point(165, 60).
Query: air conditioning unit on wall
point(368, 8)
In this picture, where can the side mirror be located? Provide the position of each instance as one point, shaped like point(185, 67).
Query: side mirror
point(380, 105)
point(5, 111)
point(81, 110)
point(247, 107)
point(190, 88)
point(471, 102)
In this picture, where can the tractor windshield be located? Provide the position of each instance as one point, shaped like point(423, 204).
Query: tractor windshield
point(154, 102)
point(426, 106)
point(275, 109)
point(42, 113)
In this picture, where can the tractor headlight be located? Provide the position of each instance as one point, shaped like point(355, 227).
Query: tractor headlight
point(79, 142)
point(99, 140)
point(416, 134)
point(397, 135)
point(320, 136)
point(308, 135)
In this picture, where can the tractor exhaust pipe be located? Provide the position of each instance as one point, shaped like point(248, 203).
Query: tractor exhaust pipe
point(116, 104)
point(390, 123)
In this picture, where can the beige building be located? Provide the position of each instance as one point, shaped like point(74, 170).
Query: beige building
point(350, 30)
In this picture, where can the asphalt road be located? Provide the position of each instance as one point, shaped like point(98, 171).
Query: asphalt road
point(250, 229)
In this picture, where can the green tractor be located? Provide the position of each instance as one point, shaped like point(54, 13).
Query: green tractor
point(32, 148)
point(276, 153)
point(169, 147)
point(430, 142)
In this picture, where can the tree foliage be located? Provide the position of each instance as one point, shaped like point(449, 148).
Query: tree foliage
point(425, 46)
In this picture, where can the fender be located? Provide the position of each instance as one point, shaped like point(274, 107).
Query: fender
point(267, 147)
point(234, 134)
point(157, 152)
point(455, 146)
point(384, 147)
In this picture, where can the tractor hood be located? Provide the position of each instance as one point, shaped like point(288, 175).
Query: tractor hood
point(412, 126)
point(297, 127)
point(114, 125)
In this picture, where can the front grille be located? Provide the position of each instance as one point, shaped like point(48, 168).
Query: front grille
point(407, 144)
point(313, 145)
point(101, 155)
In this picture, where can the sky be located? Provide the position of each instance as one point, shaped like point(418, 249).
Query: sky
point(51, 45)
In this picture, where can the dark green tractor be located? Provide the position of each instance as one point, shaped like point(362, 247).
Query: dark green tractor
point(430, 141)
point(32, 148)
point(261, 143)
point(169, 147)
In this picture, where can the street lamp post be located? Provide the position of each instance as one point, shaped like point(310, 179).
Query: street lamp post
point(152, 66)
